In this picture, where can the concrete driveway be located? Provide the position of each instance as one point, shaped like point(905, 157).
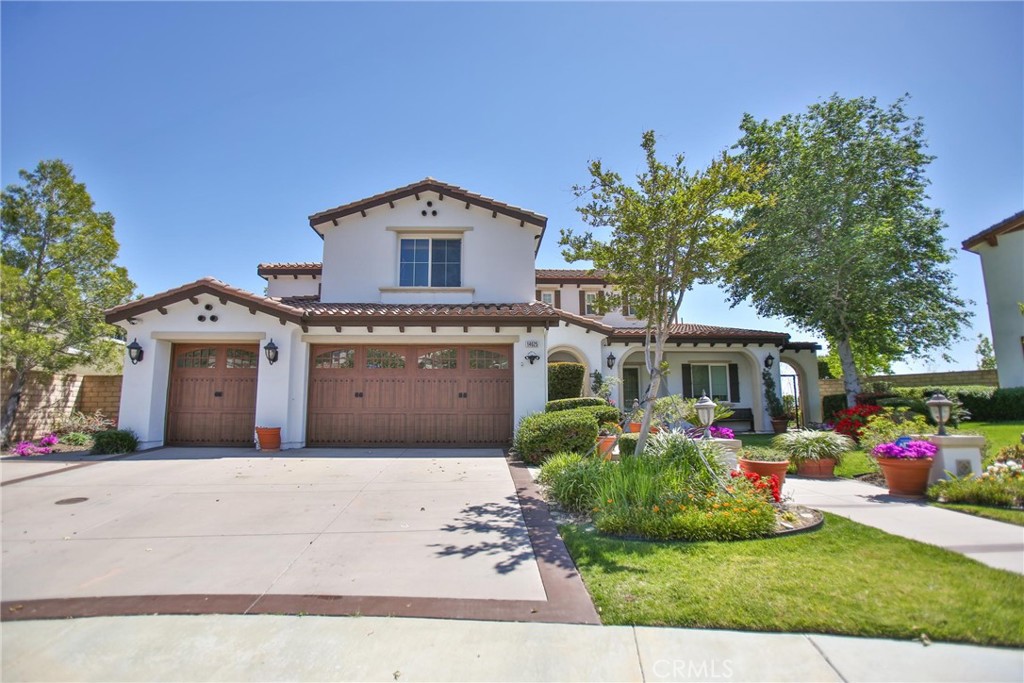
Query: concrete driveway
point(421, 532)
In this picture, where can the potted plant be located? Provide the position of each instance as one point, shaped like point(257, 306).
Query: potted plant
point(636, 420)
point(764, 462)
point(607, 438)
point(815, 453)
point(906, 464)
point(777, 411)
point(268, 438)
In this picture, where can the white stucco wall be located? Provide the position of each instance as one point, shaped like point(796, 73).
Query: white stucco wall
point(144, 390)
point(806, 365)
point(361, 255)
point(289, 285)
point(1003, 268)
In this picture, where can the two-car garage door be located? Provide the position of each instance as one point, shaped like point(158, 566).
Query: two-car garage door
point(382, 395)
point(432, 395)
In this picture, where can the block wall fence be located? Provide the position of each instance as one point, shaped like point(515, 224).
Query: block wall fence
point(45, 398)
point(987, 378)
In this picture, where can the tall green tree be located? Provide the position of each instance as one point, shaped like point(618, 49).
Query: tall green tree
point(849, 249)
point(986, 354)
point(670, 230)
point(58, 276)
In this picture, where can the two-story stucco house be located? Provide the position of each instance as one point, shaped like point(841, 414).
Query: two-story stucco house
point(1001, 248)
point(425, 323)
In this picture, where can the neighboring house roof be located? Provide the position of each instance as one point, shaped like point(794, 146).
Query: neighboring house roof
point(991, 235)
point(444, 190)
point(555, 276)
point(268, 270)
point(206, 285)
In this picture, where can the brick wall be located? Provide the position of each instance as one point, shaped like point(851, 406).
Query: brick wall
point(987, 378)
point(46, 398)
point(102, 393)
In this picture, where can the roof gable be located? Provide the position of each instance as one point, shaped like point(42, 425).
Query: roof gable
point(206, 285)
point(991, 235)
point(443, 190)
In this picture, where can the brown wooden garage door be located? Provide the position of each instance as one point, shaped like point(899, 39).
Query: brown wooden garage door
point(213, 394)
point(430, 395)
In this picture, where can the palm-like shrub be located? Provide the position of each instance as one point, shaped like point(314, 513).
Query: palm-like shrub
point(804, 444)
point(573, 479)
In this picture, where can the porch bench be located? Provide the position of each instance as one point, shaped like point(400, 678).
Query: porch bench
point(741, 420)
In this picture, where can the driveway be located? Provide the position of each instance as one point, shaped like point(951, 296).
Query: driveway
point(418, 532)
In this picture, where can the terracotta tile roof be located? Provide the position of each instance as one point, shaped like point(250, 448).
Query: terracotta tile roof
point(552, 276)
point(691, 332)
point(206, 285)
point(444, 190)
point(323, 313)
point(991, 235)
point(268, 270)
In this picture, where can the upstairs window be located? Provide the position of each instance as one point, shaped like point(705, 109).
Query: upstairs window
point(590, 304)
point(547, 298)
point(429, 262)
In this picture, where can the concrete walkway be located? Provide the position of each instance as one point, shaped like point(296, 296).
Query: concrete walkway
point(277, 648)
point(993, 543)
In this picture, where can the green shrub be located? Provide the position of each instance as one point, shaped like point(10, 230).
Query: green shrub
point(541, 435)
point(763, 454)
point(686, 464)
point(1005, 404)
point(76, 439)
point(565, 380)
point(669, 410)
point(114, 441)
point(805, 444)
point(573, 480)
point(832, 404)
point(992, 491)
point(627, 444)
point(570, 403)
point(602, 414)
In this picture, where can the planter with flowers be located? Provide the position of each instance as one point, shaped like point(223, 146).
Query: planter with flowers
point(906, 464)
point(606, 440)
point(764, 462)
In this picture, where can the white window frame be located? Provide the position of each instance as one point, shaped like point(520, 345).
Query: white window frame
point(711, 388)
point(588, 307)
point(545, 295)
point(430, 264)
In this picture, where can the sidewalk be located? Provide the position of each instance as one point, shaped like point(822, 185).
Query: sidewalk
point(277, 648)
point(993, 543)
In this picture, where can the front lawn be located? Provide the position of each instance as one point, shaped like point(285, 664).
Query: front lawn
point(845, 579)
point(998, 434)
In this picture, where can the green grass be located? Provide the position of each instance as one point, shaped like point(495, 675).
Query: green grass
point(998, 434)
point(999, 514)
point(845, 578)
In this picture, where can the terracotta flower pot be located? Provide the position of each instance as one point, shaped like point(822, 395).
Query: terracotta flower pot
point(766, 469)
point(780, 425)
point(269, 438)
point(605, 446)
point(817, 469)
point(906, 477)
point(634, 428)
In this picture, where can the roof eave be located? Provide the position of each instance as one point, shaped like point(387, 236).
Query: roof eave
point(158, 301)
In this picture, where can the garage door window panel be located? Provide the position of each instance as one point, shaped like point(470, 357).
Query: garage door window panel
point(440, 359)
point(338, 359)
point(241, 359)
point(486, 359)
point(198, 358)
point(384, 359)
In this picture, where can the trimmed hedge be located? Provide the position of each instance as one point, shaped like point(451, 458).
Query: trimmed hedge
point(627, 444)
point(114, 441)
point(602, 414)
point(570, 403)
point(541, 435)
point(832, 404)
point(565, 380)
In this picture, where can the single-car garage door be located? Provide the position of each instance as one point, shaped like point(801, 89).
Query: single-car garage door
point(431, 395)
point(213, 394)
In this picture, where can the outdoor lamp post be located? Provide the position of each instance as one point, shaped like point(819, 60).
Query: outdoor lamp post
point(941, 409)
point(706, 413)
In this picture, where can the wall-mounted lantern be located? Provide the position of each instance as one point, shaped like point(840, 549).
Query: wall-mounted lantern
point(532, 357)
point(610, 360)
point(135, 351)
point(769, 361)
point(271, 350)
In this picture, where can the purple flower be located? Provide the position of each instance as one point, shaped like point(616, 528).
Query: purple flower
point(25, 448)
point(49, 440)
point(912, 450)
point(722, 433)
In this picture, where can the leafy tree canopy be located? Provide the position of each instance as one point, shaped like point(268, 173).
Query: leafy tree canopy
point(849, 249)
point(986, 354)
point(670, 230)
point(58, 277)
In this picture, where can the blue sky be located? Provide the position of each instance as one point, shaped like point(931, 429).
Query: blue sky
point(212, 130)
